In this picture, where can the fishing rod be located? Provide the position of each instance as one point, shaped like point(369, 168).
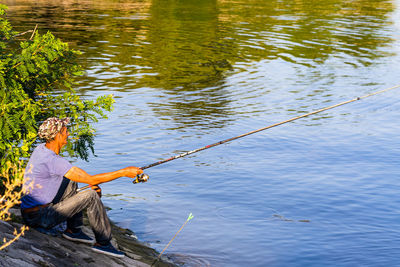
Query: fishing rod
point(144, 177)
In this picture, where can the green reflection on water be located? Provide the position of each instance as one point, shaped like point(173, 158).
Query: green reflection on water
point(187, 49)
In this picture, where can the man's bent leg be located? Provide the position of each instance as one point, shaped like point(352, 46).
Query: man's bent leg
point(75, 222)
point(72, 205)
point(97, 218)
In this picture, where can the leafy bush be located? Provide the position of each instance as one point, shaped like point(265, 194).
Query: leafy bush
point(37, 74)
point(36, 82)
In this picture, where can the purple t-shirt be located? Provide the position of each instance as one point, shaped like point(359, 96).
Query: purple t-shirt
point(46, 169)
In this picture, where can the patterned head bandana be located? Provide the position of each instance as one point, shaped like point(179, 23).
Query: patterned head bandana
point(50, 127)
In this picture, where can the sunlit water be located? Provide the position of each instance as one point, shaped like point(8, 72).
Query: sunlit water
point(321, 191)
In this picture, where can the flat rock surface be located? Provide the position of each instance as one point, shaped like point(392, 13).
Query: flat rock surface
point(37, 249)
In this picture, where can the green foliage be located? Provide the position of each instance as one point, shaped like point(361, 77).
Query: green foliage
point(36, 82)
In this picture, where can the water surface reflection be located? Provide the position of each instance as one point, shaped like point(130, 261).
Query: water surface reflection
point(189, 73)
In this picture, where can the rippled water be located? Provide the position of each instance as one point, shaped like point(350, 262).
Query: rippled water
point(321, 191)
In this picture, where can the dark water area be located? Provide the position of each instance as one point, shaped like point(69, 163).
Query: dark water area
point(321, 191)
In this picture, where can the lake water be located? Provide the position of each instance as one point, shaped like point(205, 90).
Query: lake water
point(320, 191)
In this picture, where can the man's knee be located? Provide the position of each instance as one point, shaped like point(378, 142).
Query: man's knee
point(91, 194)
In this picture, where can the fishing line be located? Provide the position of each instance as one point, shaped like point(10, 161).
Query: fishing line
point(144, 177)
point(172, 239)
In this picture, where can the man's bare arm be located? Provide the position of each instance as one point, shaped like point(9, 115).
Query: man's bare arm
point(78, 175)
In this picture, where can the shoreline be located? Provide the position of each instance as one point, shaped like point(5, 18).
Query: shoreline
point(37, 249)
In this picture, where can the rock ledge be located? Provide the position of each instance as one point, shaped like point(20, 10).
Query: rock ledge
point(37, 249)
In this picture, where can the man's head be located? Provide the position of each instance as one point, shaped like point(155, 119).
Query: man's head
point(51, 127)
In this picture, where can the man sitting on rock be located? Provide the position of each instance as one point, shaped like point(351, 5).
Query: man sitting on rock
point(54, 199)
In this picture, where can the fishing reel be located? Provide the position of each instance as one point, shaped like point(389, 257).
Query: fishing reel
point(141, 178)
